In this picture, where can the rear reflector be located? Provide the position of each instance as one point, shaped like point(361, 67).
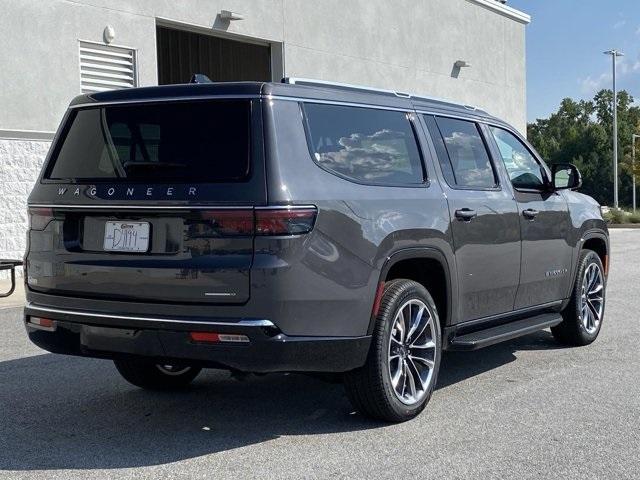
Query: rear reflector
point(378, 299)
point(285, 221)
point(211, 337)
point(42, 323)
point(39, 218)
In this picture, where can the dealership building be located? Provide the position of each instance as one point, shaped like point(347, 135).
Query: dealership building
point(468, 51)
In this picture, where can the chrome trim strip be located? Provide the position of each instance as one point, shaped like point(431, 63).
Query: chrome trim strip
point(167, 207)
point(185, 98)
point(116, 206)
point(241, 323)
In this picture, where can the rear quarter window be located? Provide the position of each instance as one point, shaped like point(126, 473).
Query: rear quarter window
point(196, 142)
point(365, 145)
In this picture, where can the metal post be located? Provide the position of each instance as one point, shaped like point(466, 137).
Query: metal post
point(614, 55)
point(633, 169)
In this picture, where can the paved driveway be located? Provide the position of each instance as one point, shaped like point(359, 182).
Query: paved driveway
point(524, 409)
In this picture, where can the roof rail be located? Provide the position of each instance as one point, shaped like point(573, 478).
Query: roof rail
point(347, 86)
point(344, 86)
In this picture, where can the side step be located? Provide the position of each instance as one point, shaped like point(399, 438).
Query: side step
point(501, 333)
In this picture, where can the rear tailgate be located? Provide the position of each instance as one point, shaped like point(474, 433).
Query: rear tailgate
point(150, 202)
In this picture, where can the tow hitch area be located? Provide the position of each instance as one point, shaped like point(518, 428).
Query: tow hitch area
point(10, 265)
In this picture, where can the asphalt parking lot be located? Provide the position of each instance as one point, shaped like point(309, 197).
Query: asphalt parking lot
point(523, 409)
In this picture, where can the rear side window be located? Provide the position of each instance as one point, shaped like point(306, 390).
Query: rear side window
point(462, 153)
point(196, 142)
point(363, 144)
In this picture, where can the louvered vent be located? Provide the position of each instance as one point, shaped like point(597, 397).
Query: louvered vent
point(103, 67)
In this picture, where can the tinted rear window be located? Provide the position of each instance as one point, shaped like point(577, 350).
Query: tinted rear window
point(364, 144)
point(199, 142)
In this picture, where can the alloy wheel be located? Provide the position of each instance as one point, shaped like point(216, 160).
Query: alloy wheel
point(412, 352)
point(592, 298)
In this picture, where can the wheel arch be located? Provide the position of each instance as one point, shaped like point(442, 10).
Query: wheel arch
point(598, 241)
point(427, 266)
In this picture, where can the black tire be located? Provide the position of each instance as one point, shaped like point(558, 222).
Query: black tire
point(370, 387)
point(152, 376)
point(572, 330)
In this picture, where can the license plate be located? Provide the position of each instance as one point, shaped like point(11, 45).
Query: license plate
point(126, 236)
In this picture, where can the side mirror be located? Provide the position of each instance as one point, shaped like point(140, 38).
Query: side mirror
point(565, 176)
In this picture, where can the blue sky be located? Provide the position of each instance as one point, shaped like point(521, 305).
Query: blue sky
point(565, 41)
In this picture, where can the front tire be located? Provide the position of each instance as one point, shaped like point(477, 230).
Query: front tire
point(582, 318)
point(152, 376)
point(401, 370)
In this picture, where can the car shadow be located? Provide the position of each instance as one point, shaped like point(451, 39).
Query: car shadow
point(59, 412)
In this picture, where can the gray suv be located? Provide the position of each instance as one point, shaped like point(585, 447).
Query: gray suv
point(303, 227)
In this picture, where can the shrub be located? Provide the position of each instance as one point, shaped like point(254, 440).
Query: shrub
point(615, 216)
point(634, 218)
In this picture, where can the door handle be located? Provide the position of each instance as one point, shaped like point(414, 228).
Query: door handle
point(465, 214)
point(530, 213)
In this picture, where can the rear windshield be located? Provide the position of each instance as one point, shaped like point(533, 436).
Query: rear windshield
point(199, 142)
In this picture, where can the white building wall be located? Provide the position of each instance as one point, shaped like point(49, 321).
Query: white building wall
point(20, 164)
point(394, 44)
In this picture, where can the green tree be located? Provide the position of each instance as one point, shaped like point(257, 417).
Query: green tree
point(580, 132)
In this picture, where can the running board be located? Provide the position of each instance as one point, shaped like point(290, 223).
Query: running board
point(501, 333)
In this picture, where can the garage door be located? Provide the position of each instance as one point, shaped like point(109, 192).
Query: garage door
point(182, 53)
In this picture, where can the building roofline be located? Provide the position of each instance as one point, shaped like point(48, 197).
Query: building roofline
point(504, 10)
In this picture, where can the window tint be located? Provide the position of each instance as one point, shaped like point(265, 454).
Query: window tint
point(198, 142)
point(524, 170)
point(470, 165)
point(364, 144)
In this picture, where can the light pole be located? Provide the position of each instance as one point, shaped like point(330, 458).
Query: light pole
point(633, 169)
point(614, 55)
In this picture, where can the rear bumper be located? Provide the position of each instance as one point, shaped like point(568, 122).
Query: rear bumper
point(167, 340)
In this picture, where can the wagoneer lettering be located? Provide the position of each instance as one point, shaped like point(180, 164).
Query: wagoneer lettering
point(303, 227)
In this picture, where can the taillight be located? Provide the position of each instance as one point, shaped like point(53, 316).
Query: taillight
point(39, 218)
point(230, 222)
point(262, 221)
point(285, 221)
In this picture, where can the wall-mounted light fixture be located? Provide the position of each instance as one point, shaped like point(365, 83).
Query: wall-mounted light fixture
point(109, 34)
point(230, 16)
point(461, 64)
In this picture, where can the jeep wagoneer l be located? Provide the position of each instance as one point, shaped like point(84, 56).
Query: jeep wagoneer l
point(303, 227)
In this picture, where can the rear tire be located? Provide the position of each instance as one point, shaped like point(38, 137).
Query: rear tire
point(152, 376)
point(401, 370)
point(582, 318)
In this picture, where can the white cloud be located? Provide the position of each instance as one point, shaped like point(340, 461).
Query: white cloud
point(619, 24)
point(594, 83)
point(591, 84)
